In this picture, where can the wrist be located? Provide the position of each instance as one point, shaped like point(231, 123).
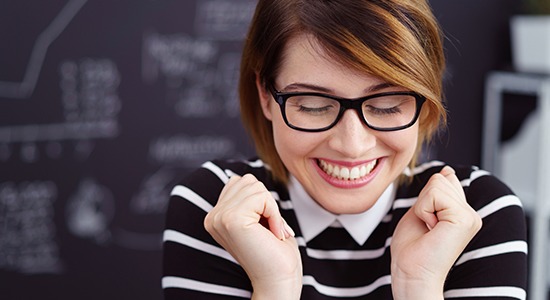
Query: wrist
point(286, 290)
point(409, 287)
point(411, 290)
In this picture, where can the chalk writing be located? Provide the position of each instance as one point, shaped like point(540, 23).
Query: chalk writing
point(190, 150)
point(90, 89)
point(223, 20)
point(175, 56)
point(27, 230)
point(153, 194)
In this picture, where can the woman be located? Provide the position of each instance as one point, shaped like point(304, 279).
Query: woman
point(339, 97)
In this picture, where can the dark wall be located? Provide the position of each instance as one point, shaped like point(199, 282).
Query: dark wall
point(105, 104)
point(477, 42)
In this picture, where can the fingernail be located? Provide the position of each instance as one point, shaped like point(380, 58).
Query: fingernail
point(288, 229)
point(283, 235)
point(429, 227)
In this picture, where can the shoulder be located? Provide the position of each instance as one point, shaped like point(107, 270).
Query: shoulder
point(208, 180)
point(500, 209)
point(480, 186)
point(422, 173)
point(198, 192)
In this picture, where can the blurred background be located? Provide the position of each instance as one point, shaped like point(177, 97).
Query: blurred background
point(105, 104)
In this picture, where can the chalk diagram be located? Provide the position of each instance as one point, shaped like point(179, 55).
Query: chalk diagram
point(195, 67)
point(90, 211)
point(90, 104)
point(25, 87)
point(92, 207)
point(86, 117)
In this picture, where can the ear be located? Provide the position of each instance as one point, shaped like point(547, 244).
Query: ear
point(265, 98)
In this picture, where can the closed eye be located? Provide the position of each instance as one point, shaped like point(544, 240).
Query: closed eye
point(383, 111)
point(318, 110)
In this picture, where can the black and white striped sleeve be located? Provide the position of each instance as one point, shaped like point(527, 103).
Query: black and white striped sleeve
point(494, 264)
point(194, 265)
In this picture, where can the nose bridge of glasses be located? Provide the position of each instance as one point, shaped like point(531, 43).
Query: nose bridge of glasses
point(354, 104)
point(356, 112)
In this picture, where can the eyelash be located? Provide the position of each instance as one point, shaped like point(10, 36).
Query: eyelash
point(384, 111)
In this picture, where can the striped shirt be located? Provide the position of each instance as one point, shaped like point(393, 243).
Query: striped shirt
point(335, 265)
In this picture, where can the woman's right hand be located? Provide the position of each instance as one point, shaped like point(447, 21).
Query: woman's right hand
point(246, 221)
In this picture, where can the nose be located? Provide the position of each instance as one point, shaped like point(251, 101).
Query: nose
point(351, 137)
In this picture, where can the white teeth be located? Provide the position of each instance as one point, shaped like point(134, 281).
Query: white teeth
point(363, 171)
point(336, 172)
point(354, 174)
point(345, 173)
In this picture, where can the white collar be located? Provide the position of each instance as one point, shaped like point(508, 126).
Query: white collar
point(314, 219)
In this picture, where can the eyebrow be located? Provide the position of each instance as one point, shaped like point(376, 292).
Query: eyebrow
point(321, 89)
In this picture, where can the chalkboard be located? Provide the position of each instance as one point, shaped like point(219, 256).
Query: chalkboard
point(104, 105)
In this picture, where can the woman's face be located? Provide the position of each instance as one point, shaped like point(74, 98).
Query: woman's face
point(348, 145)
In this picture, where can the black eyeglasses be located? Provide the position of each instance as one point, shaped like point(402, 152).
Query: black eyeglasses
point(314, 112)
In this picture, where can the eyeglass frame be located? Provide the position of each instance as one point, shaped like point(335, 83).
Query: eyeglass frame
point(345, 104)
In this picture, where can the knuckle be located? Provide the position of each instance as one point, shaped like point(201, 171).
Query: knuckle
point(478, 222)
point(234, 178)
point(249, 178)
point(436, 178)
point(208, 223)
point(219, 221)
point(418, 208)
point(473, 220)
point(259, 186)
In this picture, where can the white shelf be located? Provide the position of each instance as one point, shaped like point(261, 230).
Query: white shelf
point(539, 86)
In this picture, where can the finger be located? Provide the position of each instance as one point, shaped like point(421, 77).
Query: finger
point(228, 186)
point(277, 225)
point(437, 196)
point(425, 210)
point(266, 207)
point(231, 206)
point(237, 188)
point(256, 201)
point(450, 174)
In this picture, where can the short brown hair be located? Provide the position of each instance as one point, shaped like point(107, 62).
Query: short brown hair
point(397, 40)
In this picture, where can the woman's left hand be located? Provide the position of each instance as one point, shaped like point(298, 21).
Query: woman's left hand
point(430, 237)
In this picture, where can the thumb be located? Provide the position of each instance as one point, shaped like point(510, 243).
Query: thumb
point(277, 225)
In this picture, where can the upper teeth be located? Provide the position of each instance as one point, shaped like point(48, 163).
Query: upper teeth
point(345, 173)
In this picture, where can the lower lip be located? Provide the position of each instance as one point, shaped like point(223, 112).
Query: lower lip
point(349, 184)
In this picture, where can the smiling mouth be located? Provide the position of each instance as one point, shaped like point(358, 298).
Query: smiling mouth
point(345, 173)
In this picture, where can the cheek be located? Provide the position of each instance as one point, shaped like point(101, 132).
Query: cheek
point(292, 145)
point(403, 142)
point(289, 142)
